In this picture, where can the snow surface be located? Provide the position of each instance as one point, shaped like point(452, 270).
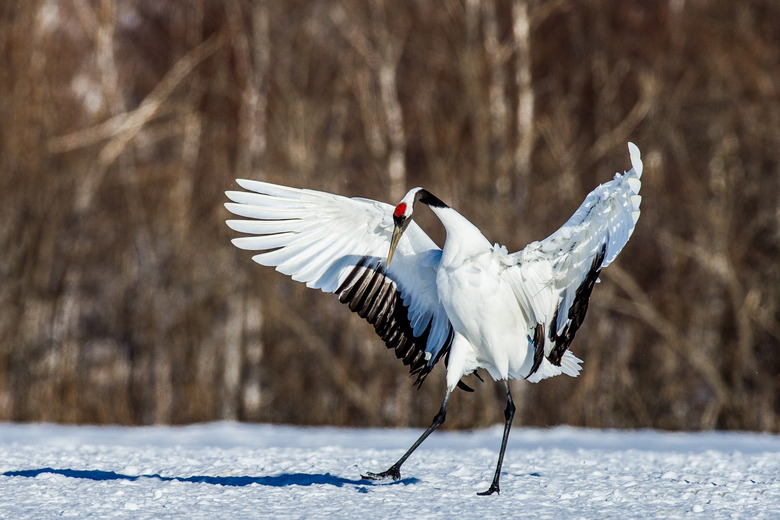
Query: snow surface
point(229, 470)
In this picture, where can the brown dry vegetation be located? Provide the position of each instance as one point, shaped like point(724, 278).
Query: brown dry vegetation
point(122, 123)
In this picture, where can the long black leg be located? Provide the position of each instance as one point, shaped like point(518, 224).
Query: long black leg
point(394, 471)
point(509, 414)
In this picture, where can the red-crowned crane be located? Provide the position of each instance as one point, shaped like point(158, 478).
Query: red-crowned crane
point(472, 302)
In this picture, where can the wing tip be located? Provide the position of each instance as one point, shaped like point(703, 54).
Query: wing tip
point(248, 184)
point(234, 224)
point(238, 243)
point(636, 158)
point(243, 243)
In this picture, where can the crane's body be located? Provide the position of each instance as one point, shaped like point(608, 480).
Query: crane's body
point(513, 314)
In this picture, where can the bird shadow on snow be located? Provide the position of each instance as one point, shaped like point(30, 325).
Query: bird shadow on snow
point(285, 479)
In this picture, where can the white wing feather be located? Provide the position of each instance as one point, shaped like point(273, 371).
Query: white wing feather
point(547, 274)
point(319, 238)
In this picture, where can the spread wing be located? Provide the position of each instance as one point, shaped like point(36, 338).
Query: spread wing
point(553, 279)
point(340, 245)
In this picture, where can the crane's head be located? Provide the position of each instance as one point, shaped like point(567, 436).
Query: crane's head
point(402, 215)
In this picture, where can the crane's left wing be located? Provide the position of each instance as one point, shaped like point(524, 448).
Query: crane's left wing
point(553, 279)
point(340, 245)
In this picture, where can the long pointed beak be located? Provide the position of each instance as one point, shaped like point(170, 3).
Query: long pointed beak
point(397, 232)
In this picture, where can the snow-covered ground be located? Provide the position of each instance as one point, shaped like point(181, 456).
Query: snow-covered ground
point(227, 470)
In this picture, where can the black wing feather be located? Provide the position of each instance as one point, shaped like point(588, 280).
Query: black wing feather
point(576, 312)
point(370, 292)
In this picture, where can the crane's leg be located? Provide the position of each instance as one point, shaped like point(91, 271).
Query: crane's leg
point(394, 471)
point(509, 414)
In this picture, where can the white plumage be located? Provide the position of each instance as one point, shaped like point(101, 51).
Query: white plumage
point(514, 315)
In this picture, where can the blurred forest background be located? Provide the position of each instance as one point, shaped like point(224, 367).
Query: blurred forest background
point(122, 124)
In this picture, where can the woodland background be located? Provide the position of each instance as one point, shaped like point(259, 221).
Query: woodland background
point(122, 124)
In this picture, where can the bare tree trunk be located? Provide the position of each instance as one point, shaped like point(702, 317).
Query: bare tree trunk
point(396, 162)
point(471, 65)
point(500, 128)
point(388, 51)
point(521, 30)
point(252, 59)
point(251, 47)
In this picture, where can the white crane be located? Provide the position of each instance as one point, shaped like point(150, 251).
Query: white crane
point(471, 303)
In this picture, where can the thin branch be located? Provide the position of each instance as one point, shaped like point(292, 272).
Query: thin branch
point(316, 347)
point(640, 306)
point(619, 134)
point(122, 128)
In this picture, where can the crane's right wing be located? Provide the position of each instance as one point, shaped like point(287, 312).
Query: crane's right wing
point(340, 245)
point(553, 279)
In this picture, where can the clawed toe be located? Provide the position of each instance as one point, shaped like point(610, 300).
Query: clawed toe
point(393, 473)
point(493, 489)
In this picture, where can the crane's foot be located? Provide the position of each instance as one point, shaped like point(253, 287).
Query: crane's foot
point(393, 472)
point(493, 489)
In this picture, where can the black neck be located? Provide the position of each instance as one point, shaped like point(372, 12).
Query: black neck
point(429, 199)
